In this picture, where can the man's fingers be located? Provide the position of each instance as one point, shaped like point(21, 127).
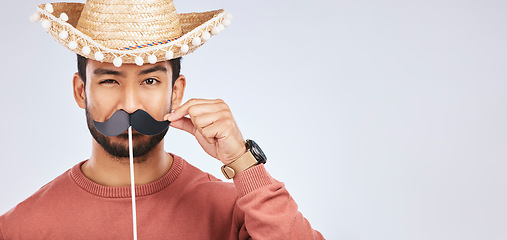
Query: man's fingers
point(194, 107)
point(212, 124)
point(184, 124)
point(204, 120)
point(212, 132)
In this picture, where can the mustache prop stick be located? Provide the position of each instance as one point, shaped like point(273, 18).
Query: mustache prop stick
point(122, 121)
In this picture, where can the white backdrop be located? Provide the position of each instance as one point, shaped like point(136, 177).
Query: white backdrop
point(385, 119)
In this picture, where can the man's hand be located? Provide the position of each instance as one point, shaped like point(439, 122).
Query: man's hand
point(212, 124)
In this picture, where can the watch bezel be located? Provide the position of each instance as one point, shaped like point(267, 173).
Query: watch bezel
point(256, 151)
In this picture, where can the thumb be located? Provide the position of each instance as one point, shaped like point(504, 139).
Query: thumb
point(184, 124)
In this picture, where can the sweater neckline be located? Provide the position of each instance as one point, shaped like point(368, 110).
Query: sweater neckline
point(125, 192)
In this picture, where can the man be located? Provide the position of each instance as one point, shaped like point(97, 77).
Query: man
point(173, 199)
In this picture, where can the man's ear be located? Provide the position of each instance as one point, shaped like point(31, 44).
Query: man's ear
point(178, 90)
point(79, 91)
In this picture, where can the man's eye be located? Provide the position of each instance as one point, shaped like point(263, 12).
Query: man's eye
point(150, 81)
point(108, 81)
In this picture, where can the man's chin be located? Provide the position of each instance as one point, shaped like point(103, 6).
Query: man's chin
point(118, 146)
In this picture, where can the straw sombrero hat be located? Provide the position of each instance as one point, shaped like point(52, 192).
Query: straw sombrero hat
point(129, 31)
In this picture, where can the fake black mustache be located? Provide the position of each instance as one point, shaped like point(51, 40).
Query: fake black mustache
point(140, 121)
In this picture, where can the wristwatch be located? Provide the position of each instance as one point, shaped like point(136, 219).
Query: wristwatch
point(253, 156)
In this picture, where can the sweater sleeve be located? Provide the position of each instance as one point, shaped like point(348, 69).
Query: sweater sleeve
point(1, 235)
point(270, 212)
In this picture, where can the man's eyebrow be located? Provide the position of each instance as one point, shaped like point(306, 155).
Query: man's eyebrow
point(105, 71)
point(153, 69)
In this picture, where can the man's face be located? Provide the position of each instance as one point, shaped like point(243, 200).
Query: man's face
point(129, 87)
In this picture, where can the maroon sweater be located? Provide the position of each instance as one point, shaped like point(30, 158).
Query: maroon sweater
point(185, 203)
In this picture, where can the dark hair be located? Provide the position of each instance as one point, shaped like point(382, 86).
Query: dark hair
point(81, 67)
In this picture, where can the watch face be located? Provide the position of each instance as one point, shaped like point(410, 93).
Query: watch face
point(256, 151)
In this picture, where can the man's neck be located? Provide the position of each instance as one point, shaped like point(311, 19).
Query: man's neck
point(107, 170)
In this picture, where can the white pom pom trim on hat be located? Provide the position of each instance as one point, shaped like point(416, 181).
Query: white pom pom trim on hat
point(46, 24)
point(72, 45)
point(117, 62)
point(184, 48)
point(63, 35)
point(64, 17)
point(194, 38)
point(152, 59)
point(205, 36)
point(99, 56)
point(35, 17)
point(169, 54)
point(221, 26)
point(86, 50)
point(226, 22)
point(49, 8)
point(139, 61)
point(215, 30)
point(196, 41)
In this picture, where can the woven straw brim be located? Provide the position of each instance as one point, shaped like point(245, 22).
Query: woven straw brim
point(194, 25)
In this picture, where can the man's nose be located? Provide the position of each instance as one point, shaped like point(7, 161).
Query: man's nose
point(131, 100)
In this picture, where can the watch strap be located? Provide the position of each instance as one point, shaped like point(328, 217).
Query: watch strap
point(239, 165)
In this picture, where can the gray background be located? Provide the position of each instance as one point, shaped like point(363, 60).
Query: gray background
point(385, 119)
